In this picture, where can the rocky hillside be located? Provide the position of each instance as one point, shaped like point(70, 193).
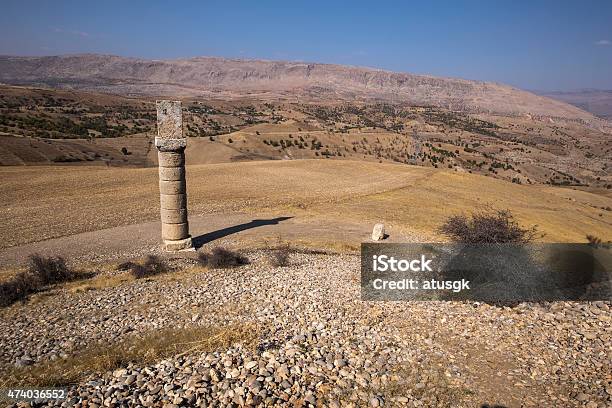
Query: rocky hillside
point(297, 336)
point(228, 78)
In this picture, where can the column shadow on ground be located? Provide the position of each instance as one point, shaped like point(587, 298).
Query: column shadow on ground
point(201, 240)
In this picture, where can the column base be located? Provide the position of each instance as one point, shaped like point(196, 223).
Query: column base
point(178, 245)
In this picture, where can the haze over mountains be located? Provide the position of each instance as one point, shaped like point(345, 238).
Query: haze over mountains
point(230, 78)
point(596, 101)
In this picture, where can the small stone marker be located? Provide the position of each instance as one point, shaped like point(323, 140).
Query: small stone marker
point(171, 144)
point(378, 233)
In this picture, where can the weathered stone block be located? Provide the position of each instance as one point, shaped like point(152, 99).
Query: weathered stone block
point(169, 120)
point(175, 231)
point(170, 145)
point(173, 201)
point(178, 216)
point(171, 159)
point(179, 245)
point(172, 187)
point(171, 173)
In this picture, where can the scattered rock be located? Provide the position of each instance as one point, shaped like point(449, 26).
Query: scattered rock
point(319, 343)
point(378, 233)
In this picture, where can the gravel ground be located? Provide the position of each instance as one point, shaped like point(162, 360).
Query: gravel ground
point(319, 344)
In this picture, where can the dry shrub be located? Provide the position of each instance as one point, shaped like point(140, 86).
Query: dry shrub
point(487, 227)
point(49, 270)
point(152, 265)
point(597, 242)
point(41, 271)
point(125, 266)
point(17, 288)
point(222, 258)
point(279, 256)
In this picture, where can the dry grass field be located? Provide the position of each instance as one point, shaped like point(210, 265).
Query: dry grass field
point(41, 202)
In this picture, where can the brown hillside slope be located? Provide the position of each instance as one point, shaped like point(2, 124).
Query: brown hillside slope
point(232, 77)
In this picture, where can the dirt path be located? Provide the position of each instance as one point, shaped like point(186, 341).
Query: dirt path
point(235, 230)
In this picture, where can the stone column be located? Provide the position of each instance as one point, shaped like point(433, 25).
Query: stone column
point(171, 144)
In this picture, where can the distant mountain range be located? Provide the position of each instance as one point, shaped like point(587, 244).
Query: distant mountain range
point(236, 78)
point(596, 101)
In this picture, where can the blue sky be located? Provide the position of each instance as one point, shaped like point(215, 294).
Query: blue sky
point(544, 45)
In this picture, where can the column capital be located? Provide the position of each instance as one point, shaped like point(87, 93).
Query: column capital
point(170, 145)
